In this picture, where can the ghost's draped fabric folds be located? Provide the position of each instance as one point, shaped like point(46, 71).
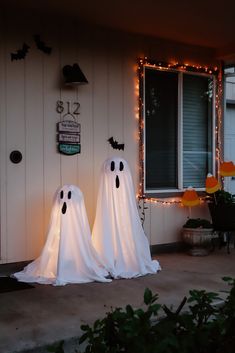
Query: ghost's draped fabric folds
point(68, 255)
point(117, 233)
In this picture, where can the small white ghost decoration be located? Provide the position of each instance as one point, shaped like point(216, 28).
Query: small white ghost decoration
point(117, 234)
point(68, 255)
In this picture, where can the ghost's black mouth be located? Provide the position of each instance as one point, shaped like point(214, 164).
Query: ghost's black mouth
point(64, 208)
point(114, 168)
point(117, 182)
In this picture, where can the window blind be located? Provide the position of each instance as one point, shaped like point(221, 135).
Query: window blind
point(197, 136)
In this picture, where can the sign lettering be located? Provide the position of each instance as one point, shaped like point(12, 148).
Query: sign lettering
point(69, 126)
point(69, 149)
point(69, 138)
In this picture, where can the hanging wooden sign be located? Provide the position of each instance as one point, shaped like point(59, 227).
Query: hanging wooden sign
point(69, 126)
point(69, 149)
point(69, 137)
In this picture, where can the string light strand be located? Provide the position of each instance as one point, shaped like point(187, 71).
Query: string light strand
point(142, 62)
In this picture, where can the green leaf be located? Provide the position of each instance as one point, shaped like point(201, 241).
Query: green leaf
point(155, 308)
point(129, 310)
point(148, 296)
point(84, 327)
point(227, 279)
point(56, 348)
point(139, 312)
point(83, 338)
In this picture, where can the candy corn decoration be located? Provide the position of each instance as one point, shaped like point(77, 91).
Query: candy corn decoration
point(190, 197)
point(212, 184)
point(227, 169)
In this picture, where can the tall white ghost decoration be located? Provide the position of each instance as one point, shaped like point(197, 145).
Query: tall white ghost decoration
point(68, 255)
point(117, 233)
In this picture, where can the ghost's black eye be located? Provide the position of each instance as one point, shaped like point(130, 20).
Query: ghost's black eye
point(69, 195)
point(121, 167)
point(61, 194)
point(112, 166)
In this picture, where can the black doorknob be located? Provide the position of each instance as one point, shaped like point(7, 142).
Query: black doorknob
point(16, 157)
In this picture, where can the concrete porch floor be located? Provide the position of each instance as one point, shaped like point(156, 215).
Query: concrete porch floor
point(32, 319)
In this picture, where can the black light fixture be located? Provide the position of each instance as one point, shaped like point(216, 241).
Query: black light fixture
point(73, 75)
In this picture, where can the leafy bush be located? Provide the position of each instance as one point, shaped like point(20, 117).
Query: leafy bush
point(202, 328)
point(197, 223)
point(221, 197)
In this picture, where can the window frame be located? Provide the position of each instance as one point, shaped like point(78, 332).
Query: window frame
point(142, 118)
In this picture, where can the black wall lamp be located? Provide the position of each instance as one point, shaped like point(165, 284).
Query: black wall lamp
point(73, 75)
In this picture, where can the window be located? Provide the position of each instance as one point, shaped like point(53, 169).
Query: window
point(178, 116)
point(229, 122)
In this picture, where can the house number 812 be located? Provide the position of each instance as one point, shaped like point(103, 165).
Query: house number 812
point(65, 107)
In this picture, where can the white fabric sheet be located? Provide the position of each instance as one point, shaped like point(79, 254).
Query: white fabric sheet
point(117, 233)
point(68, 255)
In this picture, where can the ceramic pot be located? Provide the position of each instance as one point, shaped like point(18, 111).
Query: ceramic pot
point(199, 240)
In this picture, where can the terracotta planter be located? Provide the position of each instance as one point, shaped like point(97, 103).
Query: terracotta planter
point(199, 240)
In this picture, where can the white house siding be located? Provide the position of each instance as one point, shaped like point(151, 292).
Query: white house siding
point(229, 130)
point(29, 90)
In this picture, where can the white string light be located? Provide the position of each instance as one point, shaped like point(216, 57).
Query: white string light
point(218, 105)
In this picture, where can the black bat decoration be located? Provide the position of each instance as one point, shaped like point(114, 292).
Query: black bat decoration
point(21, 53)
point(41, 45)
point(115, 144)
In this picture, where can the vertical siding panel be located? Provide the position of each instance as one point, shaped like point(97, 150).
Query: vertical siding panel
point(85, 97)
point(115, 91)
point(100, 106)
point(134, 48)
point(51, 94)
point(201, 211)
point(130, 108)
point(147, 218)
point(131, 118)
point(68, 94)
point(147, 222)
point(172, 222)
point(15, 97)
point(3, 240)
point(34, 148)
point(157, 231)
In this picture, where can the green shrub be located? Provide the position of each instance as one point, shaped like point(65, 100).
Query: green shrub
point(197, 223)
point(221, 197)
point(201, 328)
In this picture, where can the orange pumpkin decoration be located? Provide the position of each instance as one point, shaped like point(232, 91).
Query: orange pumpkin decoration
point(190, 197)
point(212, 184)
point(227, 169)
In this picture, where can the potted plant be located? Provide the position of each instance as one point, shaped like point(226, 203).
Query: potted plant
point(221, 204)
point(198, 234)
point(222, 209)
